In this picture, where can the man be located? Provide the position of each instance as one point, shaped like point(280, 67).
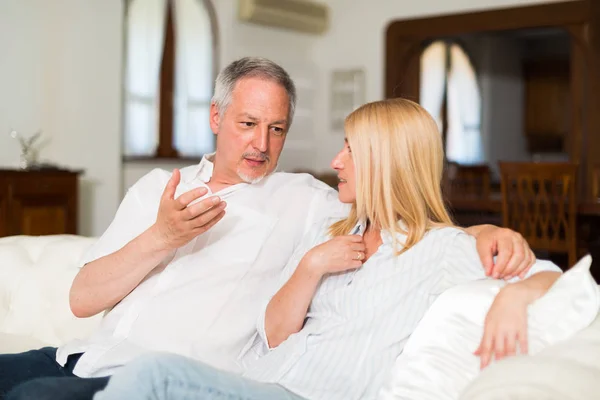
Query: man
point(185, 264)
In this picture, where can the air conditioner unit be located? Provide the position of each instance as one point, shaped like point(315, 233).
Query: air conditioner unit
point(299, 15)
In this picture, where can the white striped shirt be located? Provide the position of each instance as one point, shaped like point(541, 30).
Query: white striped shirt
point(359, 321)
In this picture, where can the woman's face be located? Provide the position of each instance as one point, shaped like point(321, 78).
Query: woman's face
point(344, 165)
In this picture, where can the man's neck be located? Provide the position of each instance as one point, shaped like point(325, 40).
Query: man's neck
point(219, 182)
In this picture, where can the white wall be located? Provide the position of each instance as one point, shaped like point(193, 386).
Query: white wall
point(60, 70)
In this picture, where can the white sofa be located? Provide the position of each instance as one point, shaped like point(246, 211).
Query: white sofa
point(35, 277)
point(36, 273)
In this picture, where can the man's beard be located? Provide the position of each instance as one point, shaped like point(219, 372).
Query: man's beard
point(254, 179)
point(249, 179)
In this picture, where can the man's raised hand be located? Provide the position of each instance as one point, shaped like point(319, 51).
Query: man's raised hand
point(177, 221)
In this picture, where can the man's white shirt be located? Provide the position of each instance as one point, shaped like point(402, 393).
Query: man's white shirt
point(205, 302)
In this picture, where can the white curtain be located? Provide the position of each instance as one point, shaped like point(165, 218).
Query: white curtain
point(433, 80)
point(145, 39)
point(194, 78)
point(463, 137)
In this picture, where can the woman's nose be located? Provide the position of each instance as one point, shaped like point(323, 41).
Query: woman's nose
point(336, 163)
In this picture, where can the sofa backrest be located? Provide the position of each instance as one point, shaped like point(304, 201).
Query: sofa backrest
point(36, 273)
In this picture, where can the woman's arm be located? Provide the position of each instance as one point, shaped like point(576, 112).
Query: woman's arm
point(506, 321)
point(287, 310)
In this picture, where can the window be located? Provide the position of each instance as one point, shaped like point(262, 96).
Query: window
point(169, 74)
point(450, 92)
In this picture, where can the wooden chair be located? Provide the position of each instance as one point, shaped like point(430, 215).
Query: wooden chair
point(467, 190)
point(466, 181)
point(539, 200)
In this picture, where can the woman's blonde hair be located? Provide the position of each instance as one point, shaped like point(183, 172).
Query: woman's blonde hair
point(399, 159)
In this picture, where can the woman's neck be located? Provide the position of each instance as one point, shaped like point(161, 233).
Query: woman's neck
point(372, 239)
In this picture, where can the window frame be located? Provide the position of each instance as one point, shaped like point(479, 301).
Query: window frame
point(165, 149)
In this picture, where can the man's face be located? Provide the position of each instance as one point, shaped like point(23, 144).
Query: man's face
point(252, 130)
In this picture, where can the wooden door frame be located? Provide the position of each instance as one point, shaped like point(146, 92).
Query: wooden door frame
point(580, 18)
point(540, 16)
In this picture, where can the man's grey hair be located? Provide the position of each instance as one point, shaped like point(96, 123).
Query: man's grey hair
point(252, 67)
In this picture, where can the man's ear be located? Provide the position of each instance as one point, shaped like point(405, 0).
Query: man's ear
point(215, 118)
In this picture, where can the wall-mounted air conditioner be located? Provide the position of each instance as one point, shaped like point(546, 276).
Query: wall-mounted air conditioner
point(299, 15)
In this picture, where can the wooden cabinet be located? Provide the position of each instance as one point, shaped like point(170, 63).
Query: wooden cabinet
point(40, 202)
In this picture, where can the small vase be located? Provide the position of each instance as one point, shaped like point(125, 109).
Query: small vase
point(28, 159)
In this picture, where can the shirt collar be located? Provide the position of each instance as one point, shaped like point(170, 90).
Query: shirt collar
point(386, 236)
point(203, 171)
point(359, 228)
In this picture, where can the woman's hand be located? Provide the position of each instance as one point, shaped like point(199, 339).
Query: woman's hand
point(505, 325)
point(506, 321)
point(342, 253)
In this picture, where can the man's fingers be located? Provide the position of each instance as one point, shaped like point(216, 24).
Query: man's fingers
point(517, 258)
point(505, 251)
point(186, 198)
point(211, 223)
point(202, 206)
point(530, 261)
point(486, 255)
point(522, 253)
point(204, 216)
point(169, 192)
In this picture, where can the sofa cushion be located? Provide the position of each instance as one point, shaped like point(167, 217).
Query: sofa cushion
point(10, 344)
point(438, 362)
point(35, 277)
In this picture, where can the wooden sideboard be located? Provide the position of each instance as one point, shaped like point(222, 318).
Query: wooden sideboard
point(38, 202)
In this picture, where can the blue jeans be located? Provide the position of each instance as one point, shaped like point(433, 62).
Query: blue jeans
point(174, 377)
point(36, 375)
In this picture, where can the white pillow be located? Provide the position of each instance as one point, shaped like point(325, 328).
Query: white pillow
point(568, 370)
point(438, 362)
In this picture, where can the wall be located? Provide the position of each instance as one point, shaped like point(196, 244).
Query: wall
point(60, 71)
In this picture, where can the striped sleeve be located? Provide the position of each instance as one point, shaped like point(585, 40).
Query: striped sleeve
point(461, 262)
point(259, 344)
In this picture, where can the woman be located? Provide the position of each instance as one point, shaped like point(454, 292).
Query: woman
point(357, 289)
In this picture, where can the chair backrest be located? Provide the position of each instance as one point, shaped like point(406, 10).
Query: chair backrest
point(466, 181)
point(539, 200)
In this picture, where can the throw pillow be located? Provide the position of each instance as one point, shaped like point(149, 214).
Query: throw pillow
point(438, 361)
